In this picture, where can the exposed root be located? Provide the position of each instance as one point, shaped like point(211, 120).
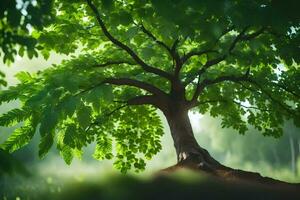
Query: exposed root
point(197, 163)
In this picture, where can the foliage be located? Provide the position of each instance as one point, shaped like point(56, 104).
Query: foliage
point(17, 19)
point(127, 58)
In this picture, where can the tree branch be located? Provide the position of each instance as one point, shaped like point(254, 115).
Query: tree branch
point(174, 46)
point(253, 35)
point(138, 100)
point(147, 32)
point(233, 101)
point(240, 79)
point(107, 115)
point(129, 82)
point(123, 46)
point(207, 82)
point(139, 84)
point(172, 51)
point(196, 53)
point(199, 53)
point(142, 100)
point(178, 62)
point(223, 34)
point(251, 107)
point(240, 37)
point(109, 63)
point(271, 97)
point(204, 68)
point(287, 90)
point(237, 39)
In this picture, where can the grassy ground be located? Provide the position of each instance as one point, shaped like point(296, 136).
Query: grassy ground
point(181, 185)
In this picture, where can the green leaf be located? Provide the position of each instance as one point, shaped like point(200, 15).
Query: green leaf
point(125, 18)
point(24, 77)
point(36, 99)
point(19, 138)
point(107, 92)
point(11, 94)
point(14, 116)
point(103, 148)
point(69, 104)
point(45, 144)
point(70, 136)
point(48, 121)
point(84, 116)
point(21, 51)
point(67, 154)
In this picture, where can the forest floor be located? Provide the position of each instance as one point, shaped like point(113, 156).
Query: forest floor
point(179, 185)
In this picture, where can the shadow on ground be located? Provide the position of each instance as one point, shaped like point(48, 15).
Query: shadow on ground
point(181, 185)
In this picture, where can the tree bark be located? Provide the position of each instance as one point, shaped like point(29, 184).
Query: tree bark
point(185, 143)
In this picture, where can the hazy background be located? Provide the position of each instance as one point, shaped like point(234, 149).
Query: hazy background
point(276, 158)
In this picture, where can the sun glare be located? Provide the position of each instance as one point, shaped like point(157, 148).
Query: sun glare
point(195, 120)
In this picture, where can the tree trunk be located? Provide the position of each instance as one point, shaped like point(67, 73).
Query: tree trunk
point(191, 155)
point(185, 143)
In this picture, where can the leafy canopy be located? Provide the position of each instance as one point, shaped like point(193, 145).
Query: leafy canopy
point(235, 59)
point(17, 19)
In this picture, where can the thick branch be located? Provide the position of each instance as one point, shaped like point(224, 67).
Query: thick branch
point(139, 84)
point(157, 101)
point(128, 82)
point(142, 100)
point(123, 46)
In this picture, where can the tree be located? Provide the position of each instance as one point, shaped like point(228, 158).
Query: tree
point(131, 58)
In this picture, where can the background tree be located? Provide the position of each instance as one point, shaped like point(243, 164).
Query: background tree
point(139, 56)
